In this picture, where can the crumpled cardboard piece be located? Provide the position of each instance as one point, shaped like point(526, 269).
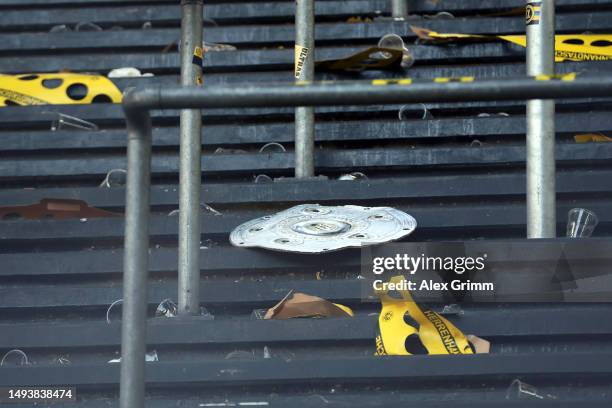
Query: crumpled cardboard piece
point(55, 208)
point(481, 346)
point(297, 304)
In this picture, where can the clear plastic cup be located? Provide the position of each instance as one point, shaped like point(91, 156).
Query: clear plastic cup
point(581, 223)
point(396, 42)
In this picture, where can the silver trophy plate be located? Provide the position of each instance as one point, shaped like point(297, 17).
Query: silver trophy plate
point(313, 228)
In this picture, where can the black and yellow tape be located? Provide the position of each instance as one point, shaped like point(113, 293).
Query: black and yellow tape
point(533, 12)
point(558, 77)
point(57, 89)
point(382, 82)
point(408, 81)
point(441, 80)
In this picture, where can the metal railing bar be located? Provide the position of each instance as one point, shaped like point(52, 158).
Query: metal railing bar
point(304, 71)
point(190, 173)
point(137, 103)
point(541, 207)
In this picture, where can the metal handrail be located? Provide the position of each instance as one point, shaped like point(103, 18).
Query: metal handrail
point(190, 152)
point(304, 71)
point(399, 9)
point(541, 197)
point(138, 103)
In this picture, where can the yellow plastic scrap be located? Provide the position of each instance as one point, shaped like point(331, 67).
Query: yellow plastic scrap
point(434, 334)
point(359, 19)
point(345, 309)
point(57, 89)
point(568, 47)
point(591, 137)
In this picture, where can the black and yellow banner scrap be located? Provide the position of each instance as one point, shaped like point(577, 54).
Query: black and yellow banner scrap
point(198, 57)
point(301, 54)
point(57, 89)
point(568, 47)
point(371, 58)
point(406, 329)
point(533, 12)
point(198, 60)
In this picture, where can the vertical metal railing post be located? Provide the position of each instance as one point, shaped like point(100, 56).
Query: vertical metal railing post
point(399, 9)
point(304, 71)
point(135, 263)
point(541, 200)
point(190, 162)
